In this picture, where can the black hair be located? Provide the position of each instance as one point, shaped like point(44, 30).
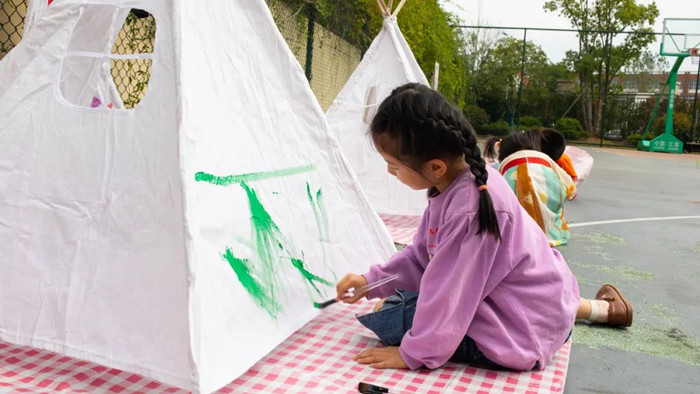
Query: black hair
point(552, 142)
point(520, 140)
point(421, 125)
point(490, 150)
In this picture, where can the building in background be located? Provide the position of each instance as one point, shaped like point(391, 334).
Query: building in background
point(645, 86)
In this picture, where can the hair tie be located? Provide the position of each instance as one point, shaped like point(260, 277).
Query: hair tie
point(483, 187)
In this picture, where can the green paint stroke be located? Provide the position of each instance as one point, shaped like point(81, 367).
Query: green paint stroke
point(653, 333)
point(260, 274)
point(598, 250)
point(630, 274)
point(601, 239)
point(321, 217)
point(666, 315)
point(259, 293)
point(310, 278)
point(253, 176)
point(643, 338)
point(319, 212)
point(265, 241)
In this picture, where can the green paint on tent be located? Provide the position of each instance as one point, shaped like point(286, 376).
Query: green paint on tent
point(321, 217)
point(697, 247)
point(254, 176)
point(260, 274)
point(324, 214)
point(265, 240)
point(310, 278)
point(259, 294)
point(319, 212)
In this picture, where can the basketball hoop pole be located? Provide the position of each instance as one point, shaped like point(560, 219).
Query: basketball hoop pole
point(695, 104)
point(665, 142)
point(672, 79)
point(680, 39)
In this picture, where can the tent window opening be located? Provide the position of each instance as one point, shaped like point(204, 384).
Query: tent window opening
point(109, 58)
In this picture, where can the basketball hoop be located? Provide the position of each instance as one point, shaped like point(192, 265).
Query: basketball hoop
point(694, 55)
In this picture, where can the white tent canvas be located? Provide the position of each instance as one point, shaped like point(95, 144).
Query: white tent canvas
point(185, 238)
point(387, 64)
point(34, 9)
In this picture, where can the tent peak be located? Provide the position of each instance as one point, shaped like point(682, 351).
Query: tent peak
point(386, 8)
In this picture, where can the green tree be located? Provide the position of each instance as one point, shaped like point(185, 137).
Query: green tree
point(598, 56)
point(430, 31)
point(496, 83)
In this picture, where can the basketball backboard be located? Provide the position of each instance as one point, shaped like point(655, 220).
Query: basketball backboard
point(680, 35)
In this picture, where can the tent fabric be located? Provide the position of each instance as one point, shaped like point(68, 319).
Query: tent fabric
point(34, 9)
point(582, 161)
point(185, 238)
point(387, 64)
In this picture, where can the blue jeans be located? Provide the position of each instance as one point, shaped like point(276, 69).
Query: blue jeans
point(395, 318)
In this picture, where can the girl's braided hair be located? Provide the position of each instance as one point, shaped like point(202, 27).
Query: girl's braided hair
point(422, 125)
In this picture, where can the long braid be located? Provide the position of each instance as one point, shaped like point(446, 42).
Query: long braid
point(488, 221)
point(427, 126)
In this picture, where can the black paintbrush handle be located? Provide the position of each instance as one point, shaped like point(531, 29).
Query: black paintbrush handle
point(321, 305)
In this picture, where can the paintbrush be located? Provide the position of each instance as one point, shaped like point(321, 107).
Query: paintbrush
point(352, 292)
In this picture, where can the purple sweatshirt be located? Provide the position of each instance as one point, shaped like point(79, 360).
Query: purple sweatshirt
point(517, 298)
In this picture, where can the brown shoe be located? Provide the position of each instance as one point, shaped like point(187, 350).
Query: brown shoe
point(620, 311)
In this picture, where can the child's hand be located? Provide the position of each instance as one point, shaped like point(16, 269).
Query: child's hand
point(381, 357)
point(350, 281)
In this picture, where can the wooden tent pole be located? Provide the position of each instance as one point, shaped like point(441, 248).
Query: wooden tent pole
point(398, 7)
point(382, 6)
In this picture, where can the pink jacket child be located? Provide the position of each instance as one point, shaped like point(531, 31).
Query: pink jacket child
point(480, 284)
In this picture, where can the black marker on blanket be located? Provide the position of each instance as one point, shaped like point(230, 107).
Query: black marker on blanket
point(351, 293)
point(366, 388)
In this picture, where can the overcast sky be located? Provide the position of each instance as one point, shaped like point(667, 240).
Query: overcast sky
point(529, 13)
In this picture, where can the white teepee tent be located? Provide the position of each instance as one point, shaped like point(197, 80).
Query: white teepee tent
point(185, 238)
point(34, 9)
point(387, 64)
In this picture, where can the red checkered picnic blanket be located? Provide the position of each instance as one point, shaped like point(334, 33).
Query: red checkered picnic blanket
point(401, 228)
point(317, 358)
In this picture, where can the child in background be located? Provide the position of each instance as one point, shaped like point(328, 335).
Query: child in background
point(480, 283)
point(554, 145)
point(541, 186)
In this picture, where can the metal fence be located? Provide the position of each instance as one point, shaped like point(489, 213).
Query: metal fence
point(626, 108)
point(131, 76)
point(12, 14)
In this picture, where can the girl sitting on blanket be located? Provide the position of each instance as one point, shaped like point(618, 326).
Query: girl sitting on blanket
point(480, 283)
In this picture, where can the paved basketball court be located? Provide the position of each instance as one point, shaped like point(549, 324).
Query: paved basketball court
point(656, 263)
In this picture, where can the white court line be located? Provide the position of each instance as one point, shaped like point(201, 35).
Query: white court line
point(631, 220)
